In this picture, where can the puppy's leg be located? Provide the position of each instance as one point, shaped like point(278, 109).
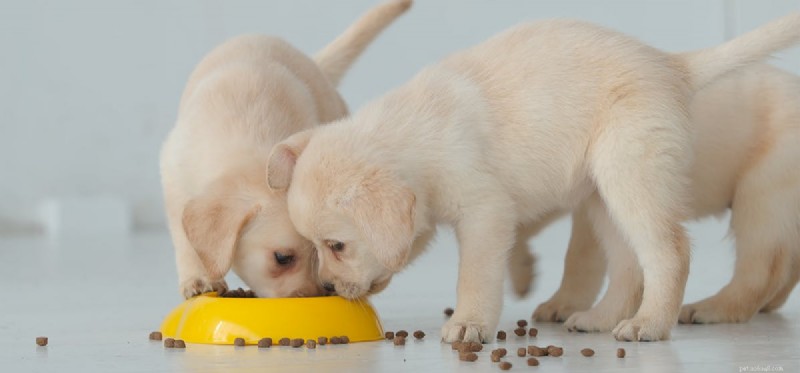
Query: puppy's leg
point(485, 235)
point(764, 223)
point(780, 298)
point(521, 261)
point(192, 276)
point(640, 165)
point(624, 292)
point(584, 271)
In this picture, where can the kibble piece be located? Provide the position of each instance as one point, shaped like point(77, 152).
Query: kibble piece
point(344, 339)
point(521, 352)
point(470, 347)
point(537, 351)
point(456, 345)
point(555, 351)
point(469, 356)
point(419, 334)
point(399, 341)
point(297, 342)
point(520, 331)
point(501, 336)
point(587, 352)
point(312, 344)
point(532, 332)
point(620, 353)
point(389, 335)
point(239, 342)
point(448, 311)
point(335, 340)
point(41, 341)
point(495, 358)
point(532, 362)
point(401, 333)
point(284, 341)
point(169, 343)
point(155, 336)
point(265, 343)
point(522, 323)
point(322, 340)
point(505, 365)
point(500, 352)
point(179, 343)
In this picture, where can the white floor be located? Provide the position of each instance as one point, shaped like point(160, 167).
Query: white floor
point(98, 298)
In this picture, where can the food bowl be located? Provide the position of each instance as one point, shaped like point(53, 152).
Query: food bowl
point(214, 320)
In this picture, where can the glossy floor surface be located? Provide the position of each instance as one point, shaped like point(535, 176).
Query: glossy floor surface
point(98, 298)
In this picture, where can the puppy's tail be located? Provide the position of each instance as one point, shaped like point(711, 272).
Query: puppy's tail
point(707, 65)
point(339, 55)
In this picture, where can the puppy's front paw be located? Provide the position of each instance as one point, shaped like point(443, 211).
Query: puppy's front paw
point(594, 320)
point(642, 329)
point(466, 331)
point(556, 310)
point(200, 285)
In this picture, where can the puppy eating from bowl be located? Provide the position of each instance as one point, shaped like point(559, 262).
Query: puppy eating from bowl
point(244, 97)
point(540, 118)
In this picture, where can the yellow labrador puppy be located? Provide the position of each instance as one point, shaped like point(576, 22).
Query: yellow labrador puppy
point(747, 127)
point(540, 118)
point(243, 98)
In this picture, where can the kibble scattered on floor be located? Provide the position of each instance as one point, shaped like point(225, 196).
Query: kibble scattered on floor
point(169, 343)
point(155, 336)
point(311, 344)
point(389, 335)
point(532, 362)
point(620, 353)
point(533, 332)
point(419, 334)
point(265, 343)
point(322, 341)
point(522, 323)
point(401, 333)
point(520, 331)
point(521, 352)
point(239, 342)
point(505, 365)
point(399, 341)
point(467, 356)
point(297, 342)
point(588, 352)
point(501, 335)
point(284, 342)
point(41, 341)
point(179, 343)
point(449, 311)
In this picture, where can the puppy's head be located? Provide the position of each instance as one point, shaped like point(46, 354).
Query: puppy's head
point(246, 227)
point(359, 215)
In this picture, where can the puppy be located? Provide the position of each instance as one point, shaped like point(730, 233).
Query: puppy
point(747, 127)
point(540, 118)
point(244, 97)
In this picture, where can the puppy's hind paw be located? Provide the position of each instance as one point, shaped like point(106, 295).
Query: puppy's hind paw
point(200, 285)
point(643, 330)
point(555, 311)
point(465, 331)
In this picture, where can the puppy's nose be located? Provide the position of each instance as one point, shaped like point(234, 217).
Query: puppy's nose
point(329, 287)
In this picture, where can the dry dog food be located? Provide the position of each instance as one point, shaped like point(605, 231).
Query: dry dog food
point(620, 353)
point(501, 335)
point(169, 343)
point(555, 351)
point(505, 365)
point(468, 356)
point(456, 345)
point(265, 343)
point(588, 352)
point(155, 336)
point(532, 362)
point(522, 323)
point(238, 293)
point(179, 343)
point(448, 311)
point(495, 358)
point(284, 341)
point(335, 340)
point(419, 334)
point(520, 331)
point(401, 333)
point(500, 352)
point(521, 352)
point(322, 341)
point(399, 341)
point(41, 341)
point(238, 342)
point(470, 347)
point(532, 332)
point(389, 335)
point(312, 344)
point(297, 342)
point(537, 351)
point(344, 339)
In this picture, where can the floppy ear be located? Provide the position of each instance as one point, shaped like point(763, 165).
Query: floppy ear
point(282, 159)
point(385, 213)
point(213, 225)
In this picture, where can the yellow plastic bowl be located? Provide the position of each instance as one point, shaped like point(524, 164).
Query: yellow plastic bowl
point(213, 320)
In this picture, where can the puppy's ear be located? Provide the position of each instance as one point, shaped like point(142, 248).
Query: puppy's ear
point(385, 212)
point(213, 225)
point(282, 159)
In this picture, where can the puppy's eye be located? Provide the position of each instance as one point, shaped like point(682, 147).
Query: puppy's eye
point(284, 259)
point(336, 246)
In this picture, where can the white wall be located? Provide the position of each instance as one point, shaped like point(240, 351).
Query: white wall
point(89, 88)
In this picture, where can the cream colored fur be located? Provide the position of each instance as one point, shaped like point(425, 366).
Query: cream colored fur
point(747, 127)
point(541, 118)
point(244, 97)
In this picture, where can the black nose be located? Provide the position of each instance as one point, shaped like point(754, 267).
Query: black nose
point(329, 287)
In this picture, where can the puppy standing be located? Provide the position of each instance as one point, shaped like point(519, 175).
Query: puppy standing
point(537, 119)
point(747, 127)
point(243, 98)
